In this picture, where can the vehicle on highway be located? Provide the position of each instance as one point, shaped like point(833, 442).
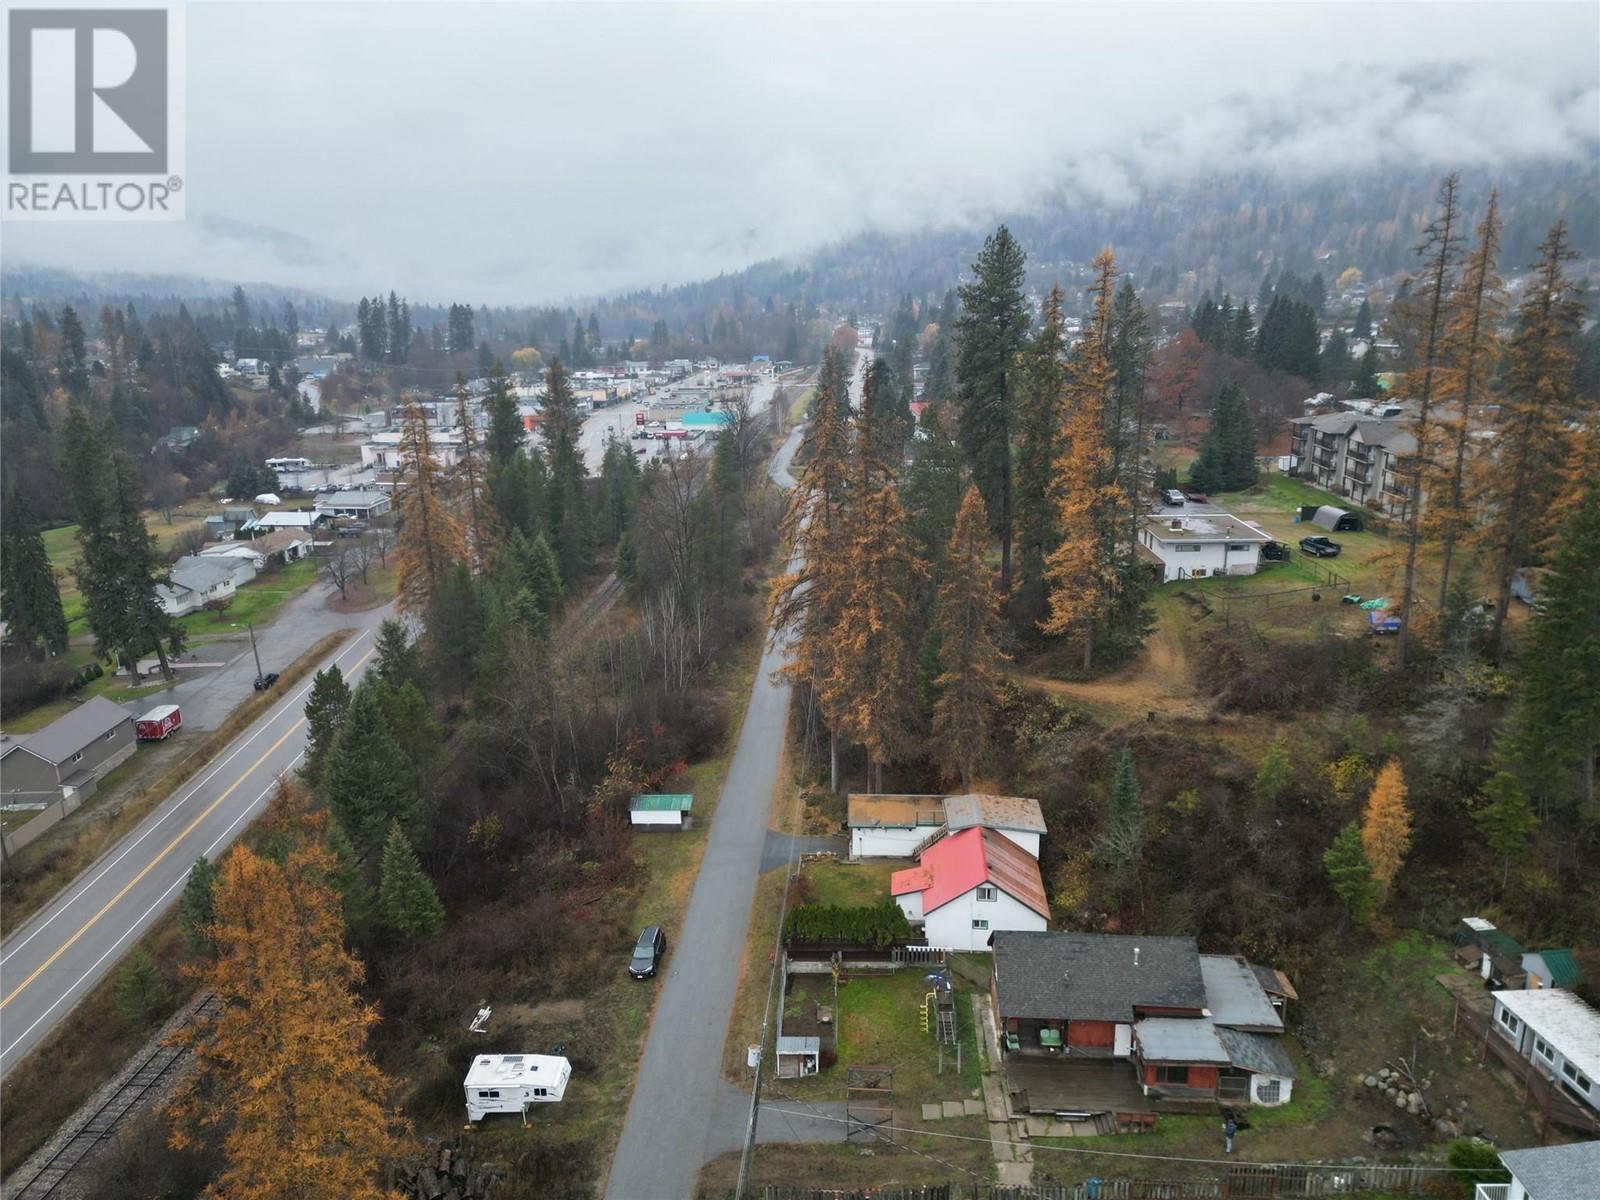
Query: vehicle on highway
point(1319, 546)
point(1172, 496)
point(648, 952)
point(263, 682)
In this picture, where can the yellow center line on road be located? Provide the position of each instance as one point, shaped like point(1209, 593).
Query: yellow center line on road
point(166, 850)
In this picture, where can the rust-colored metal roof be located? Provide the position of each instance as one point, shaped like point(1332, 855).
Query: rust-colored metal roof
point(868, 810)
point(1016, 813)
point(954, 865)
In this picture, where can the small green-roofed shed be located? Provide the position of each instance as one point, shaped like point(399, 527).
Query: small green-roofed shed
point(667, 810)
point(1553, 968)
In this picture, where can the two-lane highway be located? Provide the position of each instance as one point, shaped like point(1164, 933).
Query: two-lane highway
point(49, 964)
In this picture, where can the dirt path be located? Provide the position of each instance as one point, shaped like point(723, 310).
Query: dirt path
point(1159, 680)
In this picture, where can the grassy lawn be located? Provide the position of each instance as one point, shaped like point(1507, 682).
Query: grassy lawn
point(848, 884)
point(257, 602)
point(61, 547)
point(799, 405)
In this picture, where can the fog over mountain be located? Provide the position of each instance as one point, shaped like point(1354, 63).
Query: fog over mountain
point(332, 149)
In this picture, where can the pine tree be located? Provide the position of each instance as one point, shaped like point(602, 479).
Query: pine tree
point(1351, 874)
point(570, 519)
point(969, 660)
point(1362, 330)
point(1274, 775)
point(1366, 383)
point(1518, 485)
point(505, 423)
point(1041, 385)
point(1553, 738)
point(990, 330)
point(1121, 842)
point(367, 782)
point(1227, 458)
point(560, 413)
point(1441, 251)
point(283, 1068)
point(325, 709)
point(410, 905)
point(431, 538)
point(30, 599)
point(142, 995)
point(932, 488)
point(1386, 826)
point(356, 900)
point(1082, 571)
point(396, 660)
point(196, 906)
point(1469, 351)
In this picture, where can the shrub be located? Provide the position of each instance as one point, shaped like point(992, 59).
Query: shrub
point(877, 925)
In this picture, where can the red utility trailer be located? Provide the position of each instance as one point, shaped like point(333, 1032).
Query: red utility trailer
point(638, 416)
point(159, 723)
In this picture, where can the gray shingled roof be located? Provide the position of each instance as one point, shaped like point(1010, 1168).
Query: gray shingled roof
point(1262, 1053)
point(71, 732)
point(201, 572)
point(1234, 995)
point(1555, 1172)
point(1092, 976)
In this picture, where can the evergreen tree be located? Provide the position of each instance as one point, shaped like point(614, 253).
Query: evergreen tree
point(1362, 330)
point(455, 631)
point(1366, 384)
point(560, 412)
point(346, 878)
point(72, 360)
point(1121, 842)
point(1386, 826)
point(969, 660)
point(325, 709)
point(396, 661)
point(1519, 488)
point(30, 599)
point(410, 905)
point(1242, 333)
point(142, 995)
point(504, 438)
point(1351, 874)
point(990, 330)
point(932, 488)
point(620, 480)
point(1227, 458)
point(1334, 368)
point(471, 485)
point(366, 780)
point(570, 519)
point(1041, 384)
point(195, 905)
point(1274, 775)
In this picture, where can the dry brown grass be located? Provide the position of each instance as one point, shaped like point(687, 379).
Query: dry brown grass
point(42, 870)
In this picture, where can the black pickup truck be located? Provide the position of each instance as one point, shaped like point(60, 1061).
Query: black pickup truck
point(1320, 547)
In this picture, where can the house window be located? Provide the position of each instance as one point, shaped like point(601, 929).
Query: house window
point(78, 757)
point(979, 923)
point(541, 1091)
point(1542, 1049)
point(1187, 549)
point(1270, 1092)
point(1238, 546)
point(985, 892)
point(1509, 1020)
point(1578, 1078)
point(111, 735)
point(1174, 1075)
point(488, 1095)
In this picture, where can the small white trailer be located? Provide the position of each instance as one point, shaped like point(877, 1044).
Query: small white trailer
point(514, 1083)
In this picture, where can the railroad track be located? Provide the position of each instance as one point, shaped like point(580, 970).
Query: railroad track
point(156, 1067)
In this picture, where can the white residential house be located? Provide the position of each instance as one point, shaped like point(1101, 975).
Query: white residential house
point(1200, 545)
point(196, 580)
point(302, 521)
point(969, 884)
point(1547, 1173)
point(248, 551)
point(383, 452)
point(363, 504)
point(514, 1083)
point(898, 826)
point(1558, 1033)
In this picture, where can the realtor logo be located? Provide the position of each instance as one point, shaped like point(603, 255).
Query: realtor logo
point(93, 117)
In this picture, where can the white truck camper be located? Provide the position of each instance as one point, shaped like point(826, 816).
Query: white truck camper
point(514, 1083)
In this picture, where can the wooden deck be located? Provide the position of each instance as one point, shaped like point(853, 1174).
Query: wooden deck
point(1100, 1085)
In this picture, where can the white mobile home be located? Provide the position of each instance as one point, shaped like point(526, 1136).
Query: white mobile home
point(1558, 1033)
point(514, 1083)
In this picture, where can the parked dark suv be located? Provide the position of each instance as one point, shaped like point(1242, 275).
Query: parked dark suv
point(1320, 547)
point(648, 952)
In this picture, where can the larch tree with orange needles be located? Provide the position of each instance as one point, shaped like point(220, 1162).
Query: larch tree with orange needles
point(1082, 569)
point(283, 1068)
point(431, 539)
point(1386, 826)
point(969, 660)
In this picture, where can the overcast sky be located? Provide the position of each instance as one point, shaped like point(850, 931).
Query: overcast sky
point(524, 153)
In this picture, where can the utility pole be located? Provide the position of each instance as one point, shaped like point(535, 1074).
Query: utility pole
point(251, 627)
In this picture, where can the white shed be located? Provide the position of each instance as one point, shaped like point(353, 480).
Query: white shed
point(669, 811)
point(798, 1057)
point(514, 1083)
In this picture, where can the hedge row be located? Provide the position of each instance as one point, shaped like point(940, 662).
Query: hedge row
point(878, 925)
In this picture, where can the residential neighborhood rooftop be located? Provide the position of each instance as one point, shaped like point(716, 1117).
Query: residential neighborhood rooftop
point(1205, 527)
point(1555, 1172)
point(1234, 994)
point(1560, 1016)
point(1263, 1053)
point(1179, 1039)
point(1017, 813)
point(665, 803)
point(71, 732)
point(956, 864)
point(863, 809)
point(1095, 976)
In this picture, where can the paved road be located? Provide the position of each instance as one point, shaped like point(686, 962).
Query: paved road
point(52, 961)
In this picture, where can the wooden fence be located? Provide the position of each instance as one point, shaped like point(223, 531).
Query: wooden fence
point(1242, 1182)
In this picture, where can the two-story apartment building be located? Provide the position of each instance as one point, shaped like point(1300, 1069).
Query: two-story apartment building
point(1354, 455)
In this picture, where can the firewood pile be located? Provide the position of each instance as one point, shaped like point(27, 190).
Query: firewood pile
point(447, 1172)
